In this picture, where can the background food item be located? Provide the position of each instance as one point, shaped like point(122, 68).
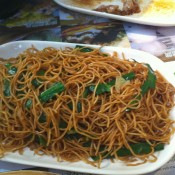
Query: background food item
point(161, 8)
point(129, 7)
point(119, 7)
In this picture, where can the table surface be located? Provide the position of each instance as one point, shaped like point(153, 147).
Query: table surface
point(46, 20)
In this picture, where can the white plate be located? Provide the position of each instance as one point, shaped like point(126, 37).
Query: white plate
point(154, 19)
point(118, 168)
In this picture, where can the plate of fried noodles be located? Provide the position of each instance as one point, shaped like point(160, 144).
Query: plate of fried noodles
point(84, 108)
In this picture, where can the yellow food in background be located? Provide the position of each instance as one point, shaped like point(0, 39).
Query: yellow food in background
point(161, 7)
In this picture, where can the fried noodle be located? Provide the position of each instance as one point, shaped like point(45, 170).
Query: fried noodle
point(72, 125)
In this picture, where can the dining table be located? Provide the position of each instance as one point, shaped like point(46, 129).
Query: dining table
point(47, 20)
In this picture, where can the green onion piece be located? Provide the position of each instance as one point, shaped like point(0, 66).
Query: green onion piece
point(38, 81)
point(106, 87)
point(129, 76)
point(72, 134)
point(150, 82)
point(112, 82)
point(6, 89)
point(105, 55)
point(79, 107)
point(41, 140)
point(138, 148)
point(8, 65)
point(101, 88)
point(83, 48)
point(87, 144)
point(159, 147)
point(48, 94)
point(62, 124)
point(42, 118)
point(12, 70)
point(95, 158)
point(41, 72)
point(86, 92)
point(72, 131)
point(28, 104)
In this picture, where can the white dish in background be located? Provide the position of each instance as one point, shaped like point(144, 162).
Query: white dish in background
point(166, 18)
point(118, 168)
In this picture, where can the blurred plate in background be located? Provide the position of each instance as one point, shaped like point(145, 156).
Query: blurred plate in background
point(28, 172)
point(155, 12)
